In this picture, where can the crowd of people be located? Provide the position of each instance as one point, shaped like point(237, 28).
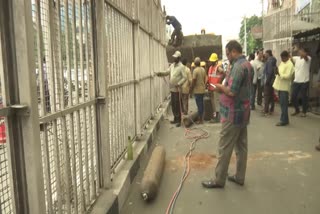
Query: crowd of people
point(291, 77)
point(234, 91)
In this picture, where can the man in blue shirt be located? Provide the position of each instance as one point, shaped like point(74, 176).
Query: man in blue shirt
point(176, 34)
point(269, 77)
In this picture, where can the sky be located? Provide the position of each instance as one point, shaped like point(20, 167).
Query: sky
point(219, 17)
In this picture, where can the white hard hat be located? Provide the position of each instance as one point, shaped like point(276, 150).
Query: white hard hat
point(177, 54)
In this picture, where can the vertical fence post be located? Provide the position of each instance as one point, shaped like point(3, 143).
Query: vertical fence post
point(137, 66)
point(29, 162)
point(102, 87)
point(152, 58)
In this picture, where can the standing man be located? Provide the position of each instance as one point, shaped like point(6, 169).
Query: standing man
point(176, 34)
point(269, 76)
point(177, 78)
point(186, 88)
point(257, 65)
point(235, 115)
point(302, 65)
point(198, 87)
point(215, 75)
point(282, 84)
point(318, 146)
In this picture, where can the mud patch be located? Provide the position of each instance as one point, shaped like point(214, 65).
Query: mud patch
point(203, 161)
point(198, 161)
point(289, 156)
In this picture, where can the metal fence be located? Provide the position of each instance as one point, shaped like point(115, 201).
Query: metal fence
point(65, 74)
point(87, 84)
point(277, 31)
point(6, 205)
point(135, 35)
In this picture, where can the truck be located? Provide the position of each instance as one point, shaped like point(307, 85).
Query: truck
point(197, 46)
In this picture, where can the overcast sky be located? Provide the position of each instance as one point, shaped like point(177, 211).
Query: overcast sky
point(219, 17)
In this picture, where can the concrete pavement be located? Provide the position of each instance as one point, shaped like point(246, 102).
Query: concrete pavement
point(283, 171)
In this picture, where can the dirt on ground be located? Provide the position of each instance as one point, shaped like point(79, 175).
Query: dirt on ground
point(203, 161)
point(198, 161)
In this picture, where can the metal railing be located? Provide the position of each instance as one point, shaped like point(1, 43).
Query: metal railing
point(65, 74)
point(280, 26)
point(87, 84)
point(6, 189)
point(132, 91)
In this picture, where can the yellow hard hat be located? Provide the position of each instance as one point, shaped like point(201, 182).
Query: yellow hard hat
point(203, 63)
point(192, 65)
point(213, 57)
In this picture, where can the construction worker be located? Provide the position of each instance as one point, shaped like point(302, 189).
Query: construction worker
point(186, 88)
point(198, 87)
point(215, 75)
point(203, 64)
point(177, 78)
point(176, 36)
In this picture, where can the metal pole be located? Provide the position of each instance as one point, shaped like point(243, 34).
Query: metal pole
point(245, 35)
point(29, 162)
point(137, 66)
point(102, 109)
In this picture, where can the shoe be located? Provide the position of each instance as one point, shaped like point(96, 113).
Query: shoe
point(210, 184)
point(234, 180)
point(178, 124)
point(281, 124)
point(295, 113)
point(214, 121)
point(317, 147)
point(303, 115)
point(173, 122)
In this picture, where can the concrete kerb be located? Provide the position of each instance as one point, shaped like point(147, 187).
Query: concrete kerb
point(112, 200)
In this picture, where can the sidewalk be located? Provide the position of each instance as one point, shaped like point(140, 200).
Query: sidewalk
point(283, 171)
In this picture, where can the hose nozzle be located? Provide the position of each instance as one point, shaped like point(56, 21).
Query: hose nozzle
point(145, 196)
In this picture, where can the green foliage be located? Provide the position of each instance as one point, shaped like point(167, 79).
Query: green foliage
point(252, 44)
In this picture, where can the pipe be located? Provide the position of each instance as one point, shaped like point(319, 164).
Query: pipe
point(153, 173)
point(190, 119)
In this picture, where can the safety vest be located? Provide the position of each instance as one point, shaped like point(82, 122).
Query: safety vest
point(214, 77)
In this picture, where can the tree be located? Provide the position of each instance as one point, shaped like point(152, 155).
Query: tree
point(252, 44)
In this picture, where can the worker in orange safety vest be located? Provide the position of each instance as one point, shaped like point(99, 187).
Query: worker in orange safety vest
point(215, 75)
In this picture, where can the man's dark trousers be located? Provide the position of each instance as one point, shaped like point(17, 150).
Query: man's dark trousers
point(175, 103)
point(284, 102)
point(303, 89)
point(268, 99)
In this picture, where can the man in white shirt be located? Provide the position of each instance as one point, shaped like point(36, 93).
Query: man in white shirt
point(258, 66)
point(177, 74)
point(300, 84)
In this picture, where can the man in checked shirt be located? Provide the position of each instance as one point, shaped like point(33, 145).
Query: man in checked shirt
point(235, 115)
